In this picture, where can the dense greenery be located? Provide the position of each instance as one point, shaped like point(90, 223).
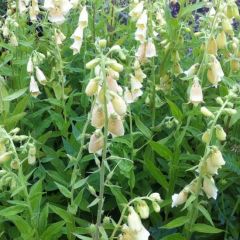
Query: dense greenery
point(54, 184)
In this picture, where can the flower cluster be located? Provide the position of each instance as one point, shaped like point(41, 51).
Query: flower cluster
point(34, 71)
point(213, 160)
point(78, 33)
point(134, 229)
point(109, 102)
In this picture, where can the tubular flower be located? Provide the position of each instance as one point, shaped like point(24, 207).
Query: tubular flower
point(136, 12)
point(57, 10)
point(180, 198)
point(34, 10)
point(78, 33)
point(40, 76)
point(215, 72)
point(33, 87)
point(196, 95)
point(96, 142)
point(209, 187)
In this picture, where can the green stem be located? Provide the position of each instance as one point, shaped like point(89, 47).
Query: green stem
point(62, 81)
point(194, 208)
point(104, 154)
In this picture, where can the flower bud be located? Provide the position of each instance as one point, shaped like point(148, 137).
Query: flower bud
point(5, 157)
point(102, 43)
point(116, 66)
point(93, 63)
point(92, 87)
point(209, 187)
point(98, 117)
point(206, 138)
point(15, 131)
point(92, 190)
point(156, 197)
point(2, 148)
point(206, 112)
point(156, 207)
point(221, 40)
point(220, 133)
point(179, 199)
point(227, 27)
point(32, 154)
point(219, 100)
point(115, 125)
point(15, 164)
point(212, 46)
point(234, 64)
point(230, 111)
point(119, 105)
point(115, 48)
point(143, 209)
point(96, 142)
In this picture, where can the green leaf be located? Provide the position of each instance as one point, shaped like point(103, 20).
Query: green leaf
point(35, 196)
point(204, 228)
point(23, 227)
point(64, 190)
point(94, 202)
point(145, 131)
point(161, 150)
point(15, 95)
point(175, 236)
point(176, 112)
point(177, 222)
point(153, 170)
point(190, 8)
point(11, 211)
point(61, 213)
point(206, 214)
point(120, 198)
point(54, 231)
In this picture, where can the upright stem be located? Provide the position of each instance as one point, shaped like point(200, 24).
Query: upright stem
point(104, 154)
point(62, 81)
point(194, 210)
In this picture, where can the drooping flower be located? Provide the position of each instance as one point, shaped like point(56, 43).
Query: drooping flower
point(215, 72)
point(180, 198)
point(98, 117)
point(209, 187)
point(40, 76)
point(96, 142)
point(136, 12)
point(33, 87)
point(59, 37)
point(78, 33)
point(115, 125)
point(143, 209)
point(196, 95)
point(57, 10)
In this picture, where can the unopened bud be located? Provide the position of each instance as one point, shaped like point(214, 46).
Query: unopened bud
point(156, 207)
point(230, 111)
point(5, 157)
point(15, 164)
point(93, 63)
point(220, 133)
point(206, 112)
point(206, 138)
point(102, 43)
point(219, 100)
